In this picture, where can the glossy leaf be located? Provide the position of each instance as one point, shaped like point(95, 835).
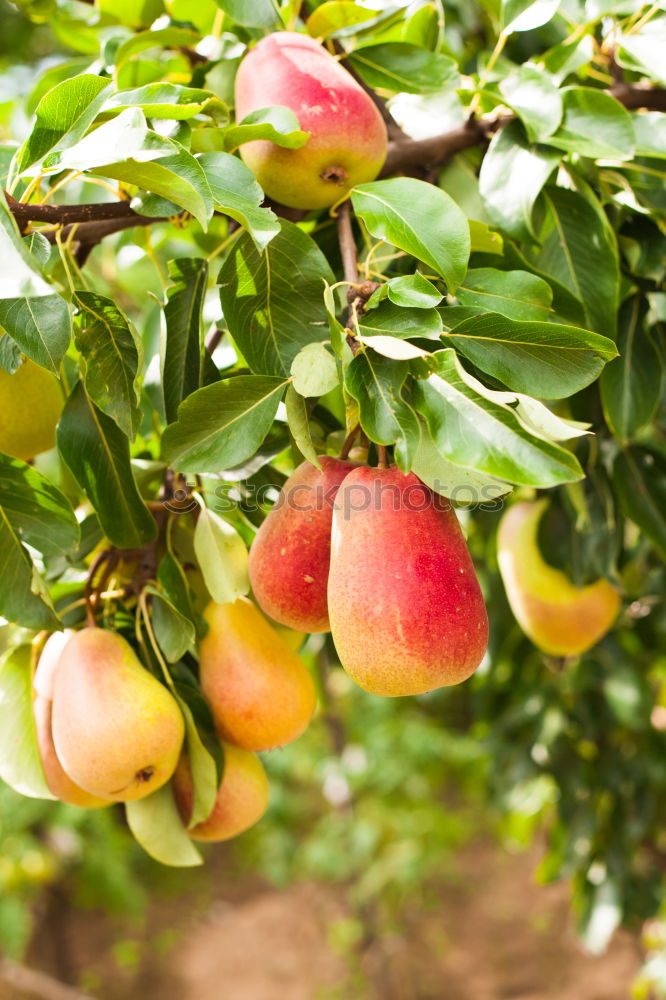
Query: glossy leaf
point(632, 384)
point(460, 484)
point(594, 124)
point(37, 511)
point(531, 93)
point(167, 100)
point(516, 294)
point(156, 825)
point(397, 321)
point(314, 370)
point(24, 599)
point(236, 193)
point(64, 115)
point(401, 67)
point(376, 384)
point(299, 425)
point(251, 13)
point(20, 762)
point(274, 124)
point(222, 557)
point(97, 453)
point(222, 424)
point(182, 356)
point(40, 326)
point(20, 275)
point(272, 301)
point(420, 219)
point(525, 15)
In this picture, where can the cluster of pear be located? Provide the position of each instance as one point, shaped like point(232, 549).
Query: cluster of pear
point(108, 731)
point(560, 618)
point(378, 559)
point(347, 141)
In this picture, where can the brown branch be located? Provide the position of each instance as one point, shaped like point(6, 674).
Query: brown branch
point(347, 243)
point(38, 984)
point(406, 154)
point(64, 214)
point(637, 95)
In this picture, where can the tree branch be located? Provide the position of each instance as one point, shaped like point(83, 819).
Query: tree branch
point(38, 984)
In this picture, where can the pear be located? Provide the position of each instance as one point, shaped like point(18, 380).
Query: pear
point(348, 139)
point(290, 555)
point(560, 618)
point(241, 800)
point(117, 731)
point(259, 690)
point(30, 406)
point(59, 783)
point(407, 614)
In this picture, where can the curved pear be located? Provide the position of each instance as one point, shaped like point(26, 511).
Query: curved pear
point(241, 801)
point(58, 781)
point(30, 406)
point(560, 618)
point(348, 139)
point(407, 614)
point(259, 691)
point(290, 556)
point(117, 731)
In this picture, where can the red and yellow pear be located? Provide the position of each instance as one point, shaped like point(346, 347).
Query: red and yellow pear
point(259, 690)
point(348, 139)
point(290, 556)
point(117, 730)
point(560, 618)
point(58, 781)
point(407, 613)
point(241, 801)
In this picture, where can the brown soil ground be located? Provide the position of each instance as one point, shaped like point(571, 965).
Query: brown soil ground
point(495, 935)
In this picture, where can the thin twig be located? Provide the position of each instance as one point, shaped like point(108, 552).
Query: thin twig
point(19, 977)
point(349, 442)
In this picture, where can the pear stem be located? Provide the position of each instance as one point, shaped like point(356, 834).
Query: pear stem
point(89, 593)
point(349, 441)
point(382, 457)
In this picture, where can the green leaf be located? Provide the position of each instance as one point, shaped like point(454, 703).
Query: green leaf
point(174, 584)
point(333, 15)
point(174, 632)
point(20, 762)
point(299, 425)
point(512, 174)
point(578, 252)
point(594, 124)
point(393, 347)
point(64, 115)
point(484, 239)
point(645, 48)
point(639, 476)
point(222, 557)
point(401, 67)
point(10, 354)
point(549, 360)
point(276, 124)
point(110, 355)
point(236, 193)
point(525, 15)
point(167, 38)
point(412, 291)
point(420, 219)
point(156, 825)
point(456, 482)
point(222, 424)
point(272, 301)
point(531, 93)
point(182, 356)
point(516, 294)
point(251, 13)
point(37, 511)
point(397, 321)
point(631, 385)
point(386, 417)
point(314, 370)
point(20, 275)
point(127, 150)
point(470, 427)
point(97, 453)
point(40, 326)
point(167, 100)
point(650, 131)
point(24, 599)
point(205, 781)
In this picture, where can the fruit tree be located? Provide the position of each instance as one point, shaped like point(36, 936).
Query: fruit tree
point(333, 333)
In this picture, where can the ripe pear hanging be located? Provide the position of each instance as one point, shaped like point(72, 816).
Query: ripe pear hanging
point(241, 800)
point(290, 555)
point(117, 731)
point(259, 691)
point(348, 140)
point(560, 618)
point(407, 614)
point(31, 402)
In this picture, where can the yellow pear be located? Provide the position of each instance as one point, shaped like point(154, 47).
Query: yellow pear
point(58, 781)
point(259, 690)
point(241, 800)
point(117, 731)
point(30, 406)
point(560, 618)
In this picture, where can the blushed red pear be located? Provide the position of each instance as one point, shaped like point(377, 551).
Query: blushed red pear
point(348, 140)
point(290, 555)
point(407, 613)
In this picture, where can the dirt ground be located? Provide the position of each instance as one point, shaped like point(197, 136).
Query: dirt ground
point(495, 935)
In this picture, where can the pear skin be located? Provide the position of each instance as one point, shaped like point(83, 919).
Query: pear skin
point(560, 618)
point(348, 139)
point(407, 613)
point(117, 731)
point(59, 783)
point(241, 800)
point(30, 406)
point(259, 691)
point(290, 556)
